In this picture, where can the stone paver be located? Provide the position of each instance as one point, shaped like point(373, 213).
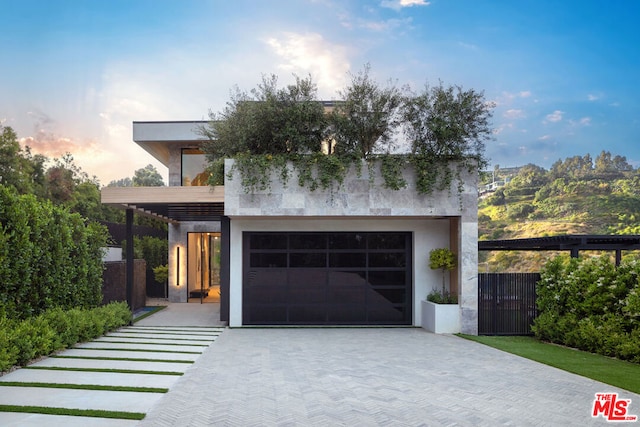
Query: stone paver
point(372, 377)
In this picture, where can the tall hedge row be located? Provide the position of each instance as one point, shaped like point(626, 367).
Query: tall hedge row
point(49, 257)
point(590, 304)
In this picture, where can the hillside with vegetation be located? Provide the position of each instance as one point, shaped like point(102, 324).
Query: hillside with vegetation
point(579, 195)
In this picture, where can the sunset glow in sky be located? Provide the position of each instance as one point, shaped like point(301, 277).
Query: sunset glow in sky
point(75, 73)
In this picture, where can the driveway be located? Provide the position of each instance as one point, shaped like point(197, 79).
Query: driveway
point(371, 377)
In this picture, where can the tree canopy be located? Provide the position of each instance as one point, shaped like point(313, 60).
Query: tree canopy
point(368, 120)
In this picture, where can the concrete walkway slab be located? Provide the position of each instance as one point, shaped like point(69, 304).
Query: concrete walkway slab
point(171, 347)
point(184, 314)
point(89, 378)
point(123, 354)
point(127, 401)
point(158, 339)
point(13, 419)
point(60, 362)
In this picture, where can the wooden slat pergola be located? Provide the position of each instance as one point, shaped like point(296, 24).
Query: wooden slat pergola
point(572, 243)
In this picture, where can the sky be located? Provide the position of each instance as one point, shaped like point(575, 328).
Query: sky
point(75, 74)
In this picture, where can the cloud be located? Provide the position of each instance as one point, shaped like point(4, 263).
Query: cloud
point(507, 98)
point(388, 25)
point(554, 117)
point(51, 145)
point(513, 114)
point(592, 97)
point(544, 138)
point(585, 121)
point(399, 4)
point(310, 53)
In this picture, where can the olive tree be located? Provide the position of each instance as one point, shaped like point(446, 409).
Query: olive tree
point(268, 120)
point(445, 124)
point(366, 116)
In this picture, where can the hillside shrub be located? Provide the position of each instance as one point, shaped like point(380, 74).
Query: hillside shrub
point(24, 340)
point(590, 304)
point(49, 257)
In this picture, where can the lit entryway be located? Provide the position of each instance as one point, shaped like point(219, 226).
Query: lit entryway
point(203, 267)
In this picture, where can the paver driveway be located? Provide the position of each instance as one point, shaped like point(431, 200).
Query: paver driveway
point(371, 377)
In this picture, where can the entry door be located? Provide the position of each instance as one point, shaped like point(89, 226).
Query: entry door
point(203, 265)
point(327, 278)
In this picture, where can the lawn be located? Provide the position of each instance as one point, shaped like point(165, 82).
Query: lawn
point(610, 371)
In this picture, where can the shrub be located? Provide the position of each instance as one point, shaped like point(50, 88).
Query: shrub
point(22, 341)
point(49, 257)
point(591, 304)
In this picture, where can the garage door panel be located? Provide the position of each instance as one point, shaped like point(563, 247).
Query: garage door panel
point(382, 314)
point(347, 287)
point(269, 260)
point(348, 314)
point(307, 286)
point(388, 278)
point(307, 259)
point(350, 278)
point(308, 313)
point(347, 260)
point(266, 314)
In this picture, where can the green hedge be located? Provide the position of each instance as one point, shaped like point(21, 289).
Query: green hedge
point(49, 257)
point(592, 305)
point(56, 329)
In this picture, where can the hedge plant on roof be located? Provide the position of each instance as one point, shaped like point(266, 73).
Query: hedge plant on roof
point(440, 131)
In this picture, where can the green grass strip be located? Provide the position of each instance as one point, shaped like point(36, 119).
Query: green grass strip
point(615, 372)
point(84, 386)
point(96, 413)
point(138, 350)
point(127, 359)
point(149, 313)
point(117, 371)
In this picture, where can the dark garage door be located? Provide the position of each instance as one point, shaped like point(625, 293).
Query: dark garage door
point(327, 278)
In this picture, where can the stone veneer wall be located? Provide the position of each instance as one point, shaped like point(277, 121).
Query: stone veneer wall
point(359, 198)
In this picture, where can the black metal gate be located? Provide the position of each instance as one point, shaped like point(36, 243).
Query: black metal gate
point(506, 303)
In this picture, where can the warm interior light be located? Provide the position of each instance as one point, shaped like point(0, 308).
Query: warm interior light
point(178, 266)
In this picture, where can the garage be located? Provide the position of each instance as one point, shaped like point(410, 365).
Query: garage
point(327, 278)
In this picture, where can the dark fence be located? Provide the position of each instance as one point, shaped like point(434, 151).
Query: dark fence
point(114, 283)
point(506, 303)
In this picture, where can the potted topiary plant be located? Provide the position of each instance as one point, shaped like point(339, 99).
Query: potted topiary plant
point(440, 312)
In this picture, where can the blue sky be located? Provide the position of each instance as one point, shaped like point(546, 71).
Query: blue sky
point(76, 73)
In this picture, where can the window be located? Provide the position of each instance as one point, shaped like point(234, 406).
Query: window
point(194, 165)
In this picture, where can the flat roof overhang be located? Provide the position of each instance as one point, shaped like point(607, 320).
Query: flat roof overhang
point(169, 204)
point(157, 137)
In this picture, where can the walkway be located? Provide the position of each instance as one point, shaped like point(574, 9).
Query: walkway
point(134, 366)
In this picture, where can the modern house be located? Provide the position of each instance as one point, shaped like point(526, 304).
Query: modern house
point(355, 255)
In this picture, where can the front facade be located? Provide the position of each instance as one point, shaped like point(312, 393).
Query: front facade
point(356, 255)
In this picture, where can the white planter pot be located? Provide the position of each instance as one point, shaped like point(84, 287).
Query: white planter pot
point(440, 318)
